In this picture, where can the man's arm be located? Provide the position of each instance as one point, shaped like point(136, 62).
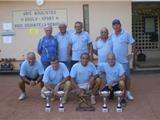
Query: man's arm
point(103, 79)
point(69, 52)
point(121, 78)
point(74, 83)
point(90, 51)
point(39, 79)
point(25, 79)
point(39, 47)
point(48, 87)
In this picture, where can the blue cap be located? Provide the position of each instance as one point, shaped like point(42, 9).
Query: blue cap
point(116, 21)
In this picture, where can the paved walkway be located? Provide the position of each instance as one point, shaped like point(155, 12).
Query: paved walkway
point(146, 106)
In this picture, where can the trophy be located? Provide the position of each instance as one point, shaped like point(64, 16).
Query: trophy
point(48, 96)
point(104, 94)
point(118, 94)
point(61, 106)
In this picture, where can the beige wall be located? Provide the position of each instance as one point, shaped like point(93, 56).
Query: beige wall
point(100, 13)
point(23, 41)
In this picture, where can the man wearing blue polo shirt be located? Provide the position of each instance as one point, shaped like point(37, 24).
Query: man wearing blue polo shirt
point(80, 42)
point(113, 74)
point(47, 47)
point(31, 72)
point(56, 77)
point(63, 38)
point(121, 40)
point(83, 77)
point(103, 45)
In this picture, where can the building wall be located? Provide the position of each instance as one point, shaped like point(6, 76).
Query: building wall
point(100, 14)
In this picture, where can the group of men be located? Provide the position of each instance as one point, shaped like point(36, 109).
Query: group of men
point(67, 62)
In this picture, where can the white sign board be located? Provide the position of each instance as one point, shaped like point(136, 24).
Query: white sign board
point(7, 26)
point(7, 39)
point(39, 18)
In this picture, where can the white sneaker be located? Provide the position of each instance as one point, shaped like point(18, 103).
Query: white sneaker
point(43, 96)
point(93, 99)
point(22, 96)
point(129, 95)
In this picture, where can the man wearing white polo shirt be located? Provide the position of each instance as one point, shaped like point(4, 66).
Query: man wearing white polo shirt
point(80, 42)
point(31, 73)
point(56, 77)
point(83, 77)
point(121, 40)
point(63, 38)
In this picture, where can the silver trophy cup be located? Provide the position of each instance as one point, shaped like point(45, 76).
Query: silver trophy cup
point(104, 94)
point(118, 94)
point(48, 97)
point(61, 106)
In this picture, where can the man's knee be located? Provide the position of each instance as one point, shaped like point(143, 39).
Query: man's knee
point(67, 84)
point(122, 85)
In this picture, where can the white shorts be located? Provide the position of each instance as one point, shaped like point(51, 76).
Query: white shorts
point(84, 86)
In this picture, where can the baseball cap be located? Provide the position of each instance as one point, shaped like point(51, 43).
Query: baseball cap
point(116, 21)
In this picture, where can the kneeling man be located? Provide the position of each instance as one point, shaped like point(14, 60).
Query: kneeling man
point(56, 76)
point(31, 73)
point(83, 76)
point(112, 73)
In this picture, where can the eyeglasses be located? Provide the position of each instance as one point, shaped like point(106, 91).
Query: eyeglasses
point(104, 32)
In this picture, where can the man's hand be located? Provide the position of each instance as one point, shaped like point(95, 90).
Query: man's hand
point(69, 60)
point(32, 83)
point(56, 88)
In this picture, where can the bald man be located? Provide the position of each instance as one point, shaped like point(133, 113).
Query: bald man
point(31, 73)
point(103, 45)
point(113, 74)
point(63, 37)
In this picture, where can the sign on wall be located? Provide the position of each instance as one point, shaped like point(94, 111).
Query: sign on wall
point(38, 18)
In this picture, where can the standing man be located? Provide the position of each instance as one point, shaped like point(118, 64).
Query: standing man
point(47, 47)
point(80, 42)
point(56, 77)
point(103, 46)
point(121, 41)
point(31, 72)
point(83, 77)
point(63, 38)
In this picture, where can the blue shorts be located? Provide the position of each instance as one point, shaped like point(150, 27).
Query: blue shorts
point(114, 88)
point(127, 70)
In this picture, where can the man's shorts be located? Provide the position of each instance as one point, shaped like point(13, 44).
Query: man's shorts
point(34, 79)
point(84, 86)
point(114, 88)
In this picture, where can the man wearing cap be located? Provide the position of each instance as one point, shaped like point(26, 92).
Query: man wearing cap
point(63, 38)
point(121, 40)
point(47, 47)
point(80, 42)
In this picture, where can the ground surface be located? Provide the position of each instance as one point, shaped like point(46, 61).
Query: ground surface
point(146, 106)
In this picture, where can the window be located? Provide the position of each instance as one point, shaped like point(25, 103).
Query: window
point(86, 17)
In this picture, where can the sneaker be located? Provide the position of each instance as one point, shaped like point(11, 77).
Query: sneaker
point(22, 96)
point(129, 95)
point(93, 100)
point(123, 102)
point(43, 96)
